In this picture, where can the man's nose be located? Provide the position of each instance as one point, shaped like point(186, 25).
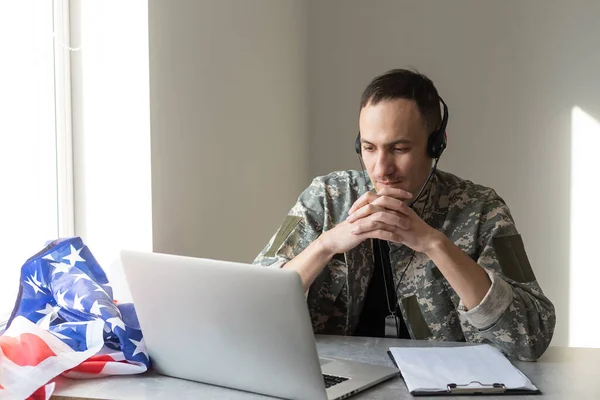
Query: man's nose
point(383, 165)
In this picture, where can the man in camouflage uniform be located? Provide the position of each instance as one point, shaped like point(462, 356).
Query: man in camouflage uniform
point(457, 262)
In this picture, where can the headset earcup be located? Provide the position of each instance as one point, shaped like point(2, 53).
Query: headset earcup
point(357, 144)
point(436, 144)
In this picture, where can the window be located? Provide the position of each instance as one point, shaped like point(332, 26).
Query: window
point(35, 156)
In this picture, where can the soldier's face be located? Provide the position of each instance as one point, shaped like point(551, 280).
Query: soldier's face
point(394, 144)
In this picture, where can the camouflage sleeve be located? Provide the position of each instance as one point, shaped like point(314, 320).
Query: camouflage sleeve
point(302, 225)
point(515, 315)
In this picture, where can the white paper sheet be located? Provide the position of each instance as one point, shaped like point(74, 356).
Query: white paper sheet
point(432, 368)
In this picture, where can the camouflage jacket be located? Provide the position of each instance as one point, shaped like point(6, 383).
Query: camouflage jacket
point(514, 316)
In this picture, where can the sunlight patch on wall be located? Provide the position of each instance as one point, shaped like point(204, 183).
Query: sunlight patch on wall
point(584, 321)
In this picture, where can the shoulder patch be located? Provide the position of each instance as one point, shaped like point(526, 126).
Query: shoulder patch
point(289, 223)
point(513, 258)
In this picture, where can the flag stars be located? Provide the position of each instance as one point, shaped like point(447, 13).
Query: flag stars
point(35, 279)
point(116, 322)
point(60, 267)
point(96, 308)
point(60, 299)
point(100, 289)
point(60, 336)
point(31, 282)
point(140, 347)
point(77, 303)
point(80, 276)
point(74, 256)
point(62, 285)
point(49, 309)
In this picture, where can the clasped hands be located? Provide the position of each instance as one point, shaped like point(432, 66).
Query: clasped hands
point(383, 215)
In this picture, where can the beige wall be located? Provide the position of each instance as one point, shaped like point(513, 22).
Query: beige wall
point(228, 121)
point(510, 71)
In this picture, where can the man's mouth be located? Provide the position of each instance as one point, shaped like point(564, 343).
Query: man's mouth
point(388, 183)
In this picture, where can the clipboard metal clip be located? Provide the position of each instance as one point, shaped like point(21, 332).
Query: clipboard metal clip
point(476, 387)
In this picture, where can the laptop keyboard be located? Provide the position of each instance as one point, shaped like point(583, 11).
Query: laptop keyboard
point(331, 380)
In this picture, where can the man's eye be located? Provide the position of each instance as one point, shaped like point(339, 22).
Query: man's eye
point(368, 148)
point(401, 149)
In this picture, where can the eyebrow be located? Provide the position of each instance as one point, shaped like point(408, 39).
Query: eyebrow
point(395, 142)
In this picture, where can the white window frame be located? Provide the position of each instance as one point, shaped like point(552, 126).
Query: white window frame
point(63, 128)
point(64, 136)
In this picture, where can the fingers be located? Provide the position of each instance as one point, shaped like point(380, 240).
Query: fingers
point(362, 201)
point(399, 194)
point(381, 220)
point(381, 204)
point(392, 204)
point(382, 234)
point(394, 194)
point(365, 211)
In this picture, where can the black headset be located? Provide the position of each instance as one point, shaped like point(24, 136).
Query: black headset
point(435, 144)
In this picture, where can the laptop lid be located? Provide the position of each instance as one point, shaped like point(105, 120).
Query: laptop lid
point(225, 323)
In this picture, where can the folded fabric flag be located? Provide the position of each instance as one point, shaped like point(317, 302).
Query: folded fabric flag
point(65, 322)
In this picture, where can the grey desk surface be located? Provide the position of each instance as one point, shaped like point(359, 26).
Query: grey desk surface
point(561, 373)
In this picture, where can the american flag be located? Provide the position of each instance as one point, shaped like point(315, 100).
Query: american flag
point(66, 322)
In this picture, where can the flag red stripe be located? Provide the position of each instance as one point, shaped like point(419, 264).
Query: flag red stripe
point(94, 364)
point(102, 357)
point(39, 394)
point(90, 367)
point(42, 393)
point(25, 350)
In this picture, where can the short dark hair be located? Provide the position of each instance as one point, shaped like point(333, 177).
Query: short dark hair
point(405, 84)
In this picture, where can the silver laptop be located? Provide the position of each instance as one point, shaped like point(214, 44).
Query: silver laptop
point(238, 326)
